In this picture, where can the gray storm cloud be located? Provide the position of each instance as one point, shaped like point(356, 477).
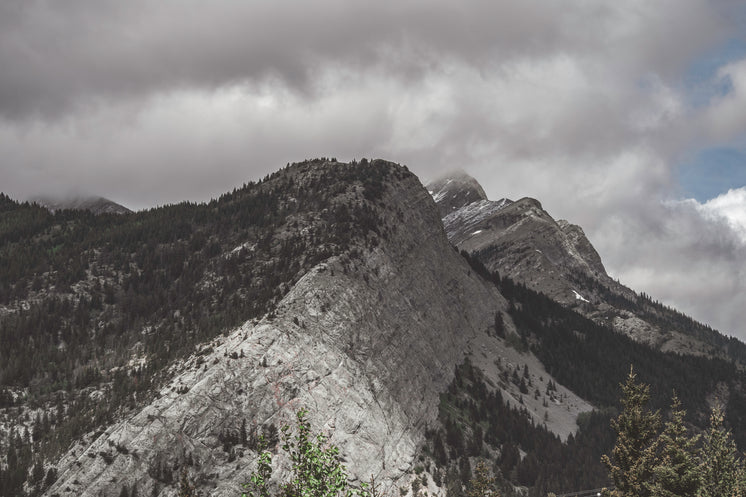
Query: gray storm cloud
point(580, 104)
point(54, 56)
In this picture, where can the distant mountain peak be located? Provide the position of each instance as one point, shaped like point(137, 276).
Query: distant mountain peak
point(518, 239)
point(94, 204)
point(455, 190)
point(522, 241)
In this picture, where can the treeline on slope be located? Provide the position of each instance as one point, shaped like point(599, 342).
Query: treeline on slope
point(480, 425)
point(589, 358)
point(666, 318)
point(97, 306)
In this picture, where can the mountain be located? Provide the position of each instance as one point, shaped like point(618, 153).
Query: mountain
point(519, 239)
point(456, 191)
point(96, 205)
point(139, 347)
point(366, 338)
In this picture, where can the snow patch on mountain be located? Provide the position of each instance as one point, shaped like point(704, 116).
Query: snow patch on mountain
point(471, 215)
point(580, 297)
point(442, 192)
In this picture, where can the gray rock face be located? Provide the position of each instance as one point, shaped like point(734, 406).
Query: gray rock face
point(366, 341)
point(522, 241)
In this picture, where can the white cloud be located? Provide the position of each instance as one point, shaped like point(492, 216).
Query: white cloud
point(683, 253)
point(730, 206)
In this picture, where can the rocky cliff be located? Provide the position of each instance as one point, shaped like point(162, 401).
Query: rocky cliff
point(366, 340)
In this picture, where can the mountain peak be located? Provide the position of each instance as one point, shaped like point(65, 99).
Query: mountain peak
point(94, 204)
point(454, 191)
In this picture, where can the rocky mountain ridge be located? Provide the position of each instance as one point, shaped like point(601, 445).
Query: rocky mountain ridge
point(519, 239)
point(366, 339)
point(166, 340)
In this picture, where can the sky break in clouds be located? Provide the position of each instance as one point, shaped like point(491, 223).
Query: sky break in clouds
point(627, 118)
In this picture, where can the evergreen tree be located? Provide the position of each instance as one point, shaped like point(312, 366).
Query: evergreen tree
point(721, 469)
point(51, 477)
point(186, 489)
point(483, 483)
point(499, 324)
point(677, 472)
point(439, 451)
point(633, 456)
point(464, 469)
point(37, 472)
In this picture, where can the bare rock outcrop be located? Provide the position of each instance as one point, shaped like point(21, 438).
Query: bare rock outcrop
point(366, 341)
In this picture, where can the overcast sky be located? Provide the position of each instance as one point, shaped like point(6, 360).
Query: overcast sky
point(625, 117)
